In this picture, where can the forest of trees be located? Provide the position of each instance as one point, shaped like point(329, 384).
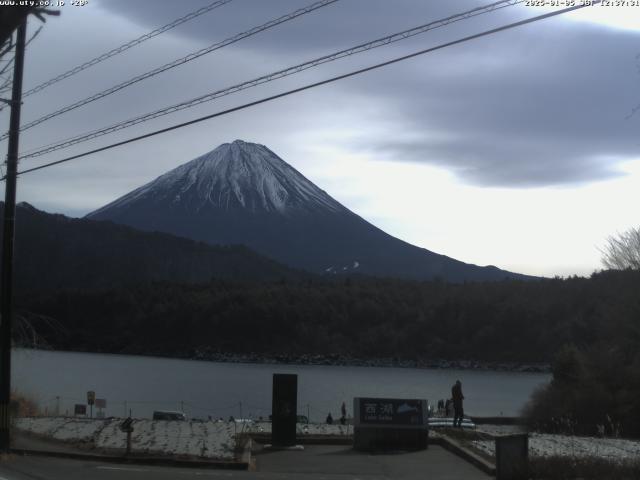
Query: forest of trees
point(595, 389)
point(596, 383)
point(510, 321)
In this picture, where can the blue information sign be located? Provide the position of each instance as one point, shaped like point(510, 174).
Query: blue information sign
point(390, 411)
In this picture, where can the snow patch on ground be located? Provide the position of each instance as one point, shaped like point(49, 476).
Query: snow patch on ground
point(545, 445)
point(212, 440)
point(77, 430)
point(216, 440)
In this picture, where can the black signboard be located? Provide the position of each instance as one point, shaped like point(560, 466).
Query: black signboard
point(127, 425)
point(79, 409)
point(284, 409)
point(390, 411)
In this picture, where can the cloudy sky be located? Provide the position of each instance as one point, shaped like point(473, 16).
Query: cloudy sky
point(519, 149)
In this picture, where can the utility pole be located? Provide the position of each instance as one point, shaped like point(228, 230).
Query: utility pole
point(8, 234)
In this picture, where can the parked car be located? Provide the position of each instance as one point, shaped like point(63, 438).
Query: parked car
point(169, 415)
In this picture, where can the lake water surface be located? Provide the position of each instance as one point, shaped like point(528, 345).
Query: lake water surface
point(144, 384)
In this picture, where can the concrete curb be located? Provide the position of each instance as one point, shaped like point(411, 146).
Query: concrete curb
point(245, 458)
point(167, 462)
point(498, 420)
point(464, 453)
point(308, 440)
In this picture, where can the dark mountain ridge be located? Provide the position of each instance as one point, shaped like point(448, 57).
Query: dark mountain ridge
point(53, 251)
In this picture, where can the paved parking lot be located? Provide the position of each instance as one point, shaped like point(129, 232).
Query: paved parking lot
point(434, 463)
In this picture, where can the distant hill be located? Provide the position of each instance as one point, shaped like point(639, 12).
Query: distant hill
point(55, 251)
point(243, 193)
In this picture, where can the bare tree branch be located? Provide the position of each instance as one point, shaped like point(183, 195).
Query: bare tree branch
point(6, 85)
point(622, 251)
point(41, 12)
point(27, 325)
point(5, 49)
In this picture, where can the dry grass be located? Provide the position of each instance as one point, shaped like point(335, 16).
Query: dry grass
point(23, 406)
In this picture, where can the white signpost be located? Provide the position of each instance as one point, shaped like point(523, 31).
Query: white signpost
point(101, 404)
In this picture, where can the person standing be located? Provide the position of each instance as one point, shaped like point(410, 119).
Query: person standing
point(457, 397)
point(447, 408)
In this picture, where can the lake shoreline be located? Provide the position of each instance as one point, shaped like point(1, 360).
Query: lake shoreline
point(58, 380)
point(335, 360)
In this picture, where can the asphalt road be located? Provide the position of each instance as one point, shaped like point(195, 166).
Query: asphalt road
point(314, 463)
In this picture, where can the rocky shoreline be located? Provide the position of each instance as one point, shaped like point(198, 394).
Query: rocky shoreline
point(348, 361)
point(337, 360)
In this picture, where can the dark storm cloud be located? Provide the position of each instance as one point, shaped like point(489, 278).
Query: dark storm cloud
point(521, 163)
point(541, 105)
point(334, 26)
point(513, 115)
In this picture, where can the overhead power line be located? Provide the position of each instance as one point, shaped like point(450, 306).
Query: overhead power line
point(178, 62)
point(127, 46)
point(273, 76)
point(312, 85)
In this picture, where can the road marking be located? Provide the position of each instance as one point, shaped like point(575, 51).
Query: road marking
point(124, 469)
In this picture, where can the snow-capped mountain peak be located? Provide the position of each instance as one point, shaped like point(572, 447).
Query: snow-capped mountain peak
point(237, 175)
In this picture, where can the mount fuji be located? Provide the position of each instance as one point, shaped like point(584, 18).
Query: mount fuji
point(243, 193)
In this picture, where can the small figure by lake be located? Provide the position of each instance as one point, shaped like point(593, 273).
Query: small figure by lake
point(457, 397)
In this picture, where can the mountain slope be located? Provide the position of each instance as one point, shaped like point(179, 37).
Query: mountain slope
point(243, 193)
point(55, 251)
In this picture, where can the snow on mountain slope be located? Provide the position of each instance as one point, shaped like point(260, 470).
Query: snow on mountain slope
point(234, 175)
point(243, 193)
